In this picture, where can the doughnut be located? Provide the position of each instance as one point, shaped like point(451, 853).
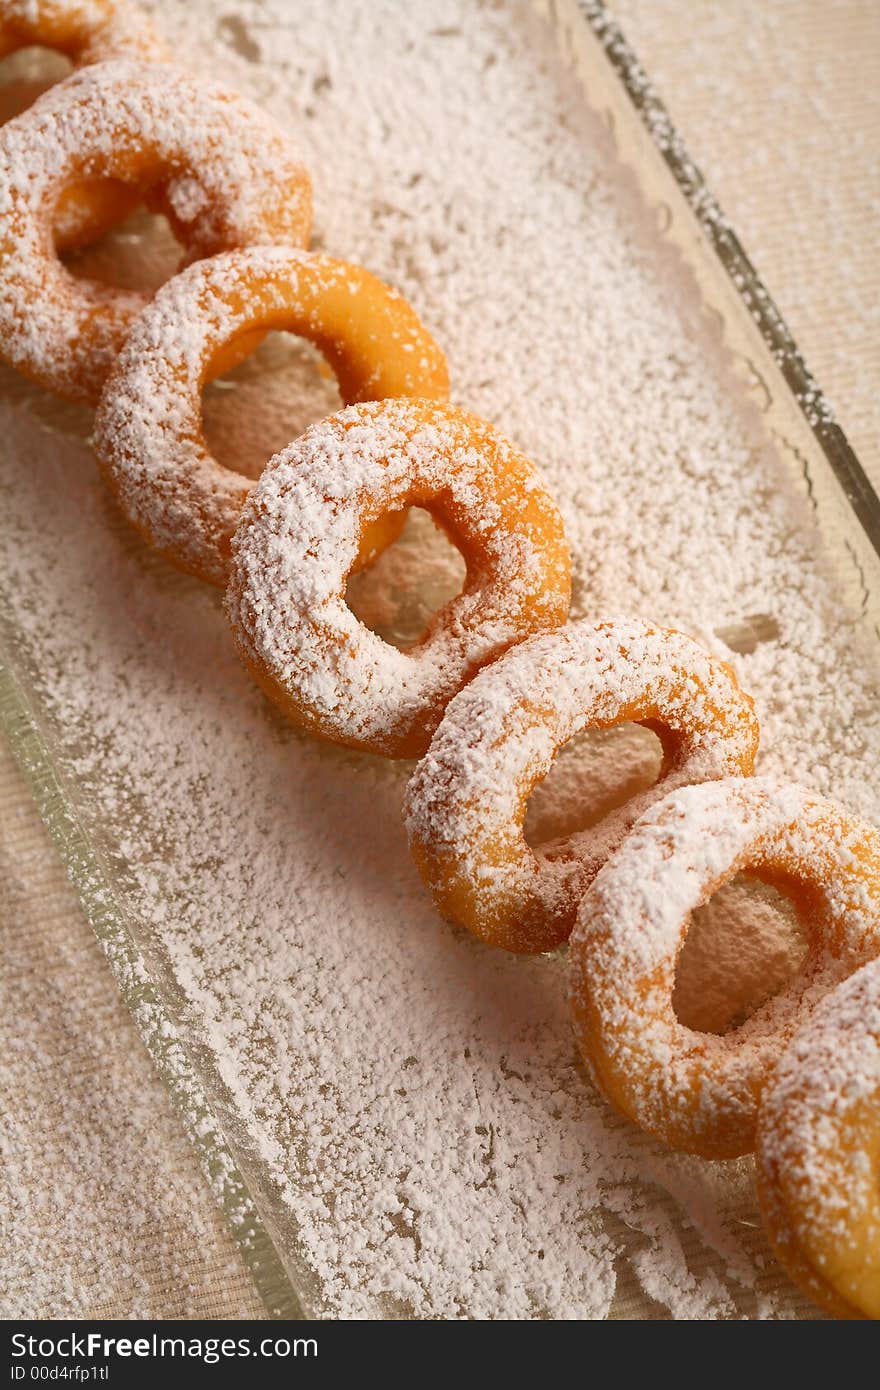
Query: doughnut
point(299, 537)
point(222, 172)
point(699, 1091)
point(86, 31)
point(818, 1151)
point(466, 802)
point(148, 431)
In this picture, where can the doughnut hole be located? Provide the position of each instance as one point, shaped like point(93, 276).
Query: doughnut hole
point(138, 252)
point(398, 594)
point(26, 74)
point(256, 407)
point(592, 775)
point(741, 948)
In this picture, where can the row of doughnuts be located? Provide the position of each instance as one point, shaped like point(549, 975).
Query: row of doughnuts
point(499, 682)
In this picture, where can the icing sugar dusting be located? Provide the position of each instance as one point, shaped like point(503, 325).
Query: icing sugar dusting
point(415, 1096)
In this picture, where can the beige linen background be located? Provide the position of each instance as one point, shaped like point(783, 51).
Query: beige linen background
point(103, 1211)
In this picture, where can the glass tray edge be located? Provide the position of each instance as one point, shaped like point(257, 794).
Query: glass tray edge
point(169, 1054)
point(808, 395)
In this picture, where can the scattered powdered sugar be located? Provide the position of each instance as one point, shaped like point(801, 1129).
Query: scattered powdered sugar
point(466, 800)
point(299, 538)
point(818, 1132)
point(414, 1097)
point(224, 173)
point(631, 924)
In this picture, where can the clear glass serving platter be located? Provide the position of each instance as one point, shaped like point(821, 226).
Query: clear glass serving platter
point(390, 1115)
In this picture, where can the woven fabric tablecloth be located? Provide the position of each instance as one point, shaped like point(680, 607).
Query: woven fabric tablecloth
point(103, 1211)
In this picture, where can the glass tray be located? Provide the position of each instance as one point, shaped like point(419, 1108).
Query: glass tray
point(822, 467)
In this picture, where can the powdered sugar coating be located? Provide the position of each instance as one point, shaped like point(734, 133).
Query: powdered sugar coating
point(299, 538)
point(467, 799)
point(698, 1091)
point(221, 170)
point(148, 429)
point(818, 1149)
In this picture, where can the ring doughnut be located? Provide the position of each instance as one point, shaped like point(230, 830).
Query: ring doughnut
point(818, 1151)
point(698, 1091)
point(224, 174)
point(299, 537)
point(467, 800)
point(148, 432)
point(86, 31)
